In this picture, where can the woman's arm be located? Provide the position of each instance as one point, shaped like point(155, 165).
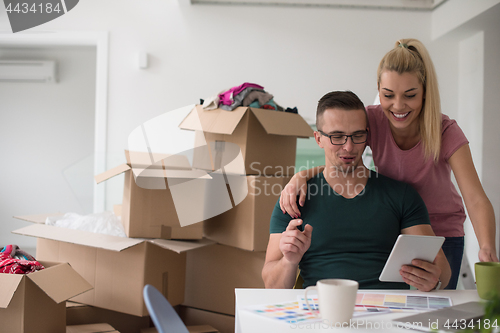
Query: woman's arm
point(478, 205)
point(296, 185)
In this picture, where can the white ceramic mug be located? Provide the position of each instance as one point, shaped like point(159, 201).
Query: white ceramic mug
point(337, 298)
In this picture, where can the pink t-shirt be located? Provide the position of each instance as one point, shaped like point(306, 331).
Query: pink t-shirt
point(432, 181)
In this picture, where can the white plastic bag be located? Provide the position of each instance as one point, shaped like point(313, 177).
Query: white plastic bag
point(102, 223)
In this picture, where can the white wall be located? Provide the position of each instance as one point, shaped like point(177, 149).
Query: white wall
point(453, 13)
point(471, 115)
point(46, 136)
point(484, 136)
point(491, 120)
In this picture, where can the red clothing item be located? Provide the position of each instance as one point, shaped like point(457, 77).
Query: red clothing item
point(432, 181)
point(15, 261)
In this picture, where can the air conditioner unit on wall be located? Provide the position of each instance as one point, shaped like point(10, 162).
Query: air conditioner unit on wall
point(27, 71)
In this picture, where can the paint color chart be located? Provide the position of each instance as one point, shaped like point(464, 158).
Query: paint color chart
point(366, 304)
point(402, 302)
point(288, 312)
point(359, 310)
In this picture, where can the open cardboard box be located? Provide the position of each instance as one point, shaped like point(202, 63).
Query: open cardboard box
point(149, 206)
point(35, 302)
point(156, 202)
point(118, 268)
point(267, 139)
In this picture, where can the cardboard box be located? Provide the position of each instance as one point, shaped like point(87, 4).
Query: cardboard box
point(35, 302)
point(148, 208)
point(222, 322)
point(246, 226)
point(91, 328)
point(83, 314)
point(194, 231)
point(191, 329)
point(267, 139)
point(118, 268)
point(212, 274)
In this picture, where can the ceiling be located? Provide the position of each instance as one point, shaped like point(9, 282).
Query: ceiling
point(423, 5)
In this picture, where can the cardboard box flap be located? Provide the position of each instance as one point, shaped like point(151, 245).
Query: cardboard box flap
point(143, 160)
point(157, 179)
point(283, 123)
point(80, 237)
point(188, 174)
point(140, 161)
point(38, 218)
point(60, 282)
point(181, 246)
point(9, 285)
point(193, 122)
point(180, 174)
point(201, 329)
point(71, 304)
point(91, 328)
point(111, 173)
point(214, 121)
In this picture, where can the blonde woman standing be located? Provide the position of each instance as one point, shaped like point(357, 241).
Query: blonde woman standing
point(412, 141)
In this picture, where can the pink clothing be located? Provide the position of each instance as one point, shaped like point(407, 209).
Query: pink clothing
point(432, 181)
point(13, 260)
point(227, 97)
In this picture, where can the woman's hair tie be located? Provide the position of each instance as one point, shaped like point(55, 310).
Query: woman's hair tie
point(402, 45)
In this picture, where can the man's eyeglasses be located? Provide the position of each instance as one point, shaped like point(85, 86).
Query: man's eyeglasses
point(341, 139)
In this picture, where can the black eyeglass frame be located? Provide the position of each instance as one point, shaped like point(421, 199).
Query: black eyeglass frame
point(346, 137)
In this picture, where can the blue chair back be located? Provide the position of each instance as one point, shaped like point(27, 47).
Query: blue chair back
point(162, 314)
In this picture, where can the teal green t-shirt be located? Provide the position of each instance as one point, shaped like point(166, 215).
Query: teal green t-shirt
point(352, 238)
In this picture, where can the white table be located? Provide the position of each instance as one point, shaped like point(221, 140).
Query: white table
point(247, 322)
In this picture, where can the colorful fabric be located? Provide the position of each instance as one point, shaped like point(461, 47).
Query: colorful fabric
point(255, 105)
point(227, 97)
point(431, 180)
point(270, 105)
point(212, 102)
point(238, 99)
point(16, 261)
point(257, 95)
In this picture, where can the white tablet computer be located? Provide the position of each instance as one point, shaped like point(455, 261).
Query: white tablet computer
point(407, 248)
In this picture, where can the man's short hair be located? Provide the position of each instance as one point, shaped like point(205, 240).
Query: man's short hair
point(343, 100)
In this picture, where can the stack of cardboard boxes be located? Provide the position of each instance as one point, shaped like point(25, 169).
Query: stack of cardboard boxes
point(242, 159)
point(254, 149)
point(118, 268)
